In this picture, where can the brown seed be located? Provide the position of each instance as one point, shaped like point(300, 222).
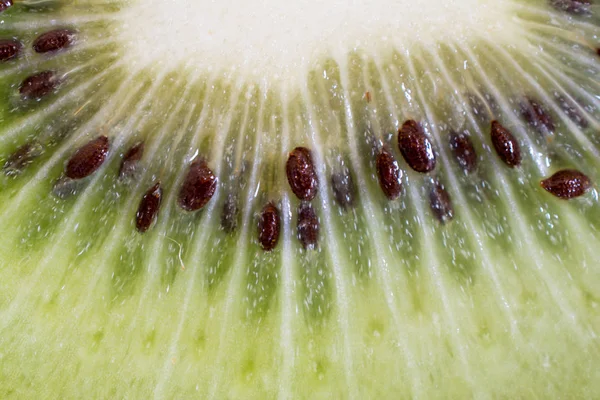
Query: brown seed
point(198, 188)
point(131, 160)
point(440, 203)
point(88, 158)
point(567, 184)
point(229, 216)
point(308, 226)
point(269, 226)
point(343, 187)
point(506, 145)
point(301, 174)
point(4, 4)
point(416, 147)
point(38, 85)
point(463, 150)
point(148, 208)
point(389, 173)
point(575, 7)
point(21, 158)
point(9, 49)
point(57, 39)
point(536, 116)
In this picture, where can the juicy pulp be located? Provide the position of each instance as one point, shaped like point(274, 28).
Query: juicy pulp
point(500, 302)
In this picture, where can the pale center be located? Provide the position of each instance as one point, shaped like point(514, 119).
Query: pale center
point(273, 38)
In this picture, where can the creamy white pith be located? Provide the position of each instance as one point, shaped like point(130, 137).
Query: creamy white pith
point(270, 38)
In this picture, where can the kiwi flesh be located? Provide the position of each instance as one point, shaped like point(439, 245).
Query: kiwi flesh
point(373, 204)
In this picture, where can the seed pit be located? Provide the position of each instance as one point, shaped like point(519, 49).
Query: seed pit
point(130, 162)
point(344, 191)
point(21, 158)
point(537, 116)
point(571, 111)
point(230, 213)
point(66, 187)
point(575, 7)
point(478, 107)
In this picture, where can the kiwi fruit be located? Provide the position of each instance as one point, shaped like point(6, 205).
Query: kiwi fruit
point(348, 200)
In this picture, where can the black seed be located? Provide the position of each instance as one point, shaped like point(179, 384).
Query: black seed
point(390, 174)
point(148, 208)
point(9, 49)
point(57, 39)
point(308, 226)
point(269, 226)
point(38, 85)
point(571, 111)
point(440, 203)
point(301, 174)
point(229, 216)
point(131, 160)
point(21, 158)
point(506, 145)
point(343, 187)
point(416, 147)
point(575, 7)
point(567, 184)
point(537, 116)
point(4, 4)
point(198, 188)
point(463, 150)
point(88, 158)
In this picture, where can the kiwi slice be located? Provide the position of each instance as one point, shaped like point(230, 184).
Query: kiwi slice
point(351, 200)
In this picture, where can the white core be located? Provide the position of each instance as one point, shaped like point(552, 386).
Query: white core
point(275, 38)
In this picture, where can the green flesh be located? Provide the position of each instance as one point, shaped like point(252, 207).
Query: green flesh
point(501, 302)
